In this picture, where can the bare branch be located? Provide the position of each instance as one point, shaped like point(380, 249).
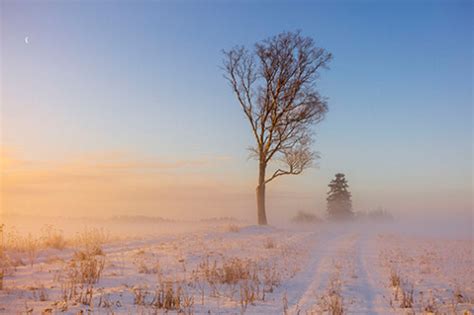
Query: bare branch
point(297, 159)
point(240, 73)
point(276, 88)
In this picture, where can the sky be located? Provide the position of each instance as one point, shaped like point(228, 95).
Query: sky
point(120, 107)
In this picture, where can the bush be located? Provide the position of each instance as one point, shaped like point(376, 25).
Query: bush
point(233, 228)
point(53, 238)
point(269, 243)
point(306, 217)
point(83, 271)
point(91, 241)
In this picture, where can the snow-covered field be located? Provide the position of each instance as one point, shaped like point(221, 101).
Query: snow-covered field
point(220, 267)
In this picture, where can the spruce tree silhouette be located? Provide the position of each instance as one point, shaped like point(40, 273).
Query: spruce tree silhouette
point(339, 205)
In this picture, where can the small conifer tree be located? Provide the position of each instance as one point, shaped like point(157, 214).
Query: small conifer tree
point(339, 205)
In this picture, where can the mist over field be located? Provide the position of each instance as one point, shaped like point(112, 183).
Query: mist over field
point(226, 265)
point(206, 157)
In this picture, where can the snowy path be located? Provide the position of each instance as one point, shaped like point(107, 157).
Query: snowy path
point(368, 288)
point(316, 275)
point(348, 256)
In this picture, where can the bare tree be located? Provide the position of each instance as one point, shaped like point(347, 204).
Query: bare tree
point(275, 85)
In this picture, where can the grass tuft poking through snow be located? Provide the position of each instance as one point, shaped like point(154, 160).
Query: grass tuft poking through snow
point(222, 268)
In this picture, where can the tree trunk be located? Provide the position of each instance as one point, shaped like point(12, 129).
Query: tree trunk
point(262, 216)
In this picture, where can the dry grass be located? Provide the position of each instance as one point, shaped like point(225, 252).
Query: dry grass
point(429, 306)
point(82, 273)
point(39, 293)
point(406, 296)
point(332, 301)
point(145, 269)
point(269, 243)
point(233, 228)
point(285, 303)
point(228, 271)
point(91, 240)
point(242, 280)
point(416, 268)
point(31, 245)
point(395, 280)
point(12, 243)
point(53, 238)
point(402, 291)
point(49, 237)
point(2, 258)
point(85, 269)
point(248, 294)
point(168, 296)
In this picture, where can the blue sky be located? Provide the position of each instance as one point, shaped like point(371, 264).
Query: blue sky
point(144, 78)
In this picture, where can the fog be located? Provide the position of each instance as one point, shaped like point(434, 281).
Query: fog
point(297, 259)
point(138, 226)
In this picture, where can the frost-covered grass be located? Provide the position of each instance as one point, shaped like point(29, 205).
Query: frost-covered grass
point(221, 267)
point(427, 274)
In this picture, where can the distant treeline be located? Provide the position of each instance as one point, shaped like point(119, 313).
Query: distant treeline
point(220, 219)
point(138, 219)
point(379, 214)
point(371, 215)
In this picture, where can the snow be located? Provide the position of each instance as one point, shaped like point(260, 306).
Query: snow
point(300, 269)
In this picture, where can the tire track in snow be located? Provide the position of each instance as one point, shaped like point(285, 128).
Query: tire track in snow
point(360, 289)
point(312, 282)
point(367, 288)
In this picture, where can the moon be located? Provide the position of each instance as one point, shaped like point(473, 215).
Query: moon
point(27, 40)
